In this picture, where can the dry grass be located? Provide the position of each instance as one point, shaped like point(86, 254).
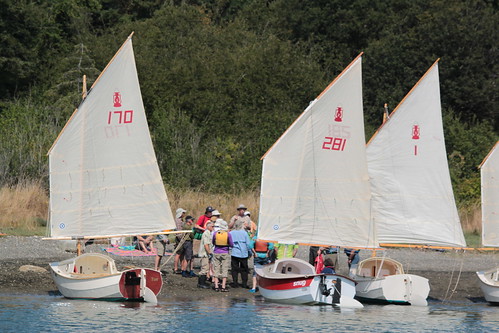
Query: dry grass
point(23, 206)
point(195, 202)
point(471, 218)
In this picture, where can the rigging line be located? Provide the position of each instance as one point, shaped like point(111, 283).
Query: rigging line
point(448, 287)
point(458, 277)
point(450, 282)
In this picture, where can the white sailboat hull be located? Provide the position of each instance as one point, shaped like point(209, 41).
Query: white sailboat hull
point(94, 276)
point(382, 280)
point(395, 289)
point(293, 281)
point(489, 283)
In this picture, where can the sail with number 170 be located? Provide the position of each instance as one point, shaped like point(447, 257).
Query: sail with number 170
point(105, 182)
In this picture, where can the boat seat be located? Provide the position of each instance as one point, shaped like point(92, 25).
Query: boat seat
point(370, 268)
point(293, 267)
point(94, 264)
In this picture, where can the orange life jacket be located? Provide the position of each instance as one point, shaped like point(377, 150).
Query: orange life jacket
point(222, 238)
point(261, 246)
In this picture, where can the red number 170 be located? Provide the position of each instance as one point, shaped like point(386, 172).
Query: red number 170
point(124, 117)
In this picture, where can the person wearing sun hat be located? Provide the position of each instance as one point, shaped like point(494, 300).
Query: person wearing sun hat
point(215, 215)
point(200, 224)
point(239, 216)
point(162, 240)
point(179, 222)
point(222, 241)
point(251, 226)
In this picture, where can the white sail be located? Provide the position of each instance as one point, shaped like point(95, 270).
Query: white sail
point(315, 187)
point(413, 202)
point(489, 171)
point(104, 177)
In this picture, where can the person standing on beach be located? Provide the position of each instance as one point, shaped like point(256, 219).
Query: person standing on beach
point(215, 215)
point(206, 255)
point(353, 260)
point(179, 222)
point(239, 216)
point(250, 226)
point(199, 228)
point(222, 241)
point(286, 250)
point(314, 251)
point(188, 253)
point(240, 253)
point(161, 241)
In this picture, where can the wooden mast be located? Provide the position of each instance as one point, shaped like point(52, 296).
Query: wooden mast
point(84, 88)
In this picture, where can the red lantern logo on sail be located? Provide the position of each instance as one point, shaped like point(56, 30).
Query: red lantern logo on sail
point(338, 115)
point(415, 132)
point(415, 136)
point(117, 99)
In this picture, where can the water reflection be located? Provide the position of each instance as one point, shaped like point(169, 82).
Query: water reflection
point(50, 313)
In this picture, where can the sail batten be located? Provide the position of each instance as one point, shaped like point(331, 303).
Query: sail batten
point(489, 171)
point(104, 177)
point(413, 201)
point(315, 186)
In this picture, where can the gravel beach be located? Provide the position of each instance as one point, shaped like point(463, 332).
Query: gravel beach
point(451, 274)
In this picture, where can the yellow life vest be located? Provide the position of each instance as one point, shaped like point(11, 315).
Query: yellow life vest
point(222, 238)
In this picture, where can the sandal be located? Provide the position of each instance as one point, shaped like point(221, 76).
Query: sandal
point(224, 290)
point(217, 289)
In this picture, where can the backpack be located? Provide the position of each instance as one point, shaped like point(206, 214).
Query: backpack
point(222, 238)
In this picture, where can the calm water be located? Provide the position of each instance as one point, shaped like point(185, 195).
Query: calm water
point(44, 313)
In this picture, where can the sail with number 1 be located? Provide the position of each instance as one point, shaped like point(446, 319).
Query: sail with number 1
point(105, 182)
point(315, 191)
point(413, 201)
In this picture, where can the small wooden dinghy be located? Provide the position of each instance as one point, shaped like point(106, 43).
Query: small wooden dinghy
point(489, 283)
point(94, 276)
point(105, 182)
point(382, 280)
point(294, 281)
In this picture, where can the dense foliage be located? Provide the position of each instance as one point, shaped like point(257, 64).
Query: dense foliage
point(222, 79)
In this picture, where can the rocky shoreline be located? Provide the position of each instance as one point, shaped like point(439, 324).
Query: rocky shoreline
point(451, 274)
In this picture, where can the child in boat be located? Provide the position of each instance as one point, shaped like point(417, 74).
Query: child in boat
point(328, 266)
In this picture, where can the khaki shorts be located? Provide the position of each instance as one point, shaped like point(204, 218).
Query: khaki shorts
point(195, 246)
point(205, 266)
point(221, 262)
point(161, 248)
